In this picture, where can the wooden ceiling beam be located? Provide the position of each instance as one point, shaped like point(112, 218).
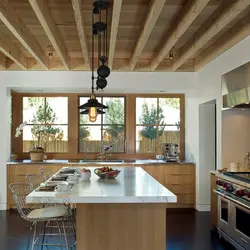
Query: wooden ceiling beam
point(117, 5)
point(239, 31)
point(152, 16)
point(3, 62)
point(12, 52)
point(14, 23)
point(77, 8)
point(42, 12)
point(190, 12)
point(220, 23)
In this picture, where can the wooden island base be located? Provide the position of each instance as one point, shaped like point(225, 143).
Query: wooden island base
point(127, 226)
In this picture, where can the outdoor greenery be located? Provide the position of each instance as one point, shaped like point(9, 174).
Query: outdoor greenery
point(43, 131)
point(173, 102)
point(83, 130)
point(149, 117)
point(114, 117)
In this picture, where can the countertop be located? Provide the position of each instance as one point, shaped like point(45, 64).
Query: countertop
point(126, 162)
point(132, 185)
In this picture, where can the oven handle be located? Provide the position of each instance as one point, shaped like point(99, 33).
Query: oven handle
point(231, 199)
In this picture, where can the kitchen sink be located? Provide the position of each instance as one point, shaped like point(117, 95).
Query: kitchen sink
point(119, 161)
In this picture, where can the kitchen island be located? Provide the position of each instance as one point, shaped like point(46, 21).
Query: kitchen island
point(126, 213)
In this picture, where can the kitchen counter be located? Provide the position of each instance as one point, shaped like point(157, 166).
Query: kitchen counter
point(132, 185)
point(69, 162)
point(120, 213)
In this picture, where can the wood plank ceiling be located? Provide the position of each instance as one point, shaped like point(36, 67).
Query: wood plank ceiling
point(143, 33)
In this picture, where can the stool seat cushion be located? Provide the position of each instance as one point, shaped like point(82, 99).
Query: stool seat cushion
point(47, 212)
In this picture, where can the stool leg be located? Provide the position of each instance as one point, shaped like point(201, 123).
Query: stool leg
point(34, 235)
point(65, 236)
point(31, 227)
point(44, 230)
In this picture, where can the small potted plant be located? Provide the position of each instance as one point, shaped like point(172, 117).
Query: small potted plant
point(36, 152)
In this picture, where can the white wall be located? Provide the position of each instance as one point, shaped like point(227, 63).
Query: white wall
point(235, 136)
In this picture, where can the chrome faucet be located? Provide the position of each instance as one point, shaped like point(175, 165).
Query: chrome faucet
point(85, 153)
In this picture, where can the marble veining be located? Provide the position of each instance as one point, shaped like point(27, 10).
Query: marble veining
point(133, 185)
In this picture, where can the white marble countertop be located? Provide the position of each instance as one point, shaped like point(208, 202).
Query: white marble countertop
point(132, 185)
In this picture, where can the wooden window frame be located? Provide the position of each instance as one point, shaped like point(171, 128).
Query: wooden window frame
point(102, 124)
point(48, 124)
point(73, 121)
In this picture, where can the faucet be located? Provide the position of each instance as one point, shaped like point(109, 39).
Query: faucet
point(85, 153)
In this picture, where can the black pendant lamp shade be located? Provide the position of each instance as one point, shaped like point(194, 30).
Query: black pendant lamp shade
point(92, 103)
point(86, 112)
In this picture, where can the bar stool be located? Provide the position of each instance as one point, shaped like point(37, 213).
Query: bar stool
point(45, 173)
point(39, 216)
point(34, 180)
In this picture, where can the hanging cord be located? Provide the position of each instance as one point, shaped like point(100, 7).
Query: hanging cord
point(106, 34)
point(93, 63)
point(99, 39)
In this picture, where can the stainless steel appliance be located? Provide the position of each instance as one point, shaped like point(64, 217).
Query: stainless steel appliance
point(234, 211)
point(171, 152)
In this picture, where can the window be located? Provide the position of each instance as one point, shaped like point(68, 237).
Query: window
point(109, 128)
point(47, 123)
point(157, 122)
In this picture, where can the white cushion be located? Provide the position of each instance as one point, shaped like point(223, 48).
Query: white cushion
point(47, 212)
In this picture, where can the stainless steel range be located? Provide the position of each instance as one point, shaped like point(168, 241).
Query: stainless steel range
point(234, 209)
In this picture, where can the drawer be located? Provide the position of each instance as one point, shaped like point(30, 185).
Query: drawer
point(181, 189)
point(180, 169)
point(175, 179)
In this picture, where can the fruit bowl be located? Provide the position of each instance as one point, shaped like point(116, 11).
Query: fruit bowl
point(107, 173)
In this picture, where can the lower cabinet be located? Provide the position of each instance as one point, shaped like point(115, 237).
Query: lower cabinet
point(179, 179)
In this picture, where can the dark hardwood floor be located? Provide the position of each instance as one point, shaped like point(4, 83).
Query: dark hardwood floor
point(186, 230)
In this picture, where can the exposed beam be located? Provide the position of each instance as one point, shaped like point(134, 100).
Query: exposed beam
point(14, 23)
point(12, 52)
point(2, 62)
point(191, 10)
point(77, 7)
point(152, 16)
point(240, 31)
point(42, 12)
point(220, 23)
point(117, 5)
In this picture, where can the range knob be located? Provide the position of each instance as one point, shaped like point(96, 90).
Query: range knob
point(229, 188)
point(240, 192)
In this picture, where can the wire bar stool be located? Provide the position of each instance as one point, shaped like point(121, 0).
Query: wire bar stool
point(38, 217)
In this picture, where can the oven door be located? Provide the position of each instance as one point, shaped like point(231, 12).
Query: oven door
point(224, 215)
point(241, 224)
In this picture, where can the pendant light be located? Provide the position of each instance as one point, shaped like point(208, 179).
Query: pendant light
point(100, 30)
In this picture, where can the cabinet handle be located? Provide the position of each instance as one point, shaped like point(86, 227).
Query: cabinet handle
point(243, 240)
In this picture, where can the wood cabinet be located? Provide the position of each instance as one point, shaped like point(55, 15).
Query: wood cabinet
point(178, 178)
point(213, 201)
